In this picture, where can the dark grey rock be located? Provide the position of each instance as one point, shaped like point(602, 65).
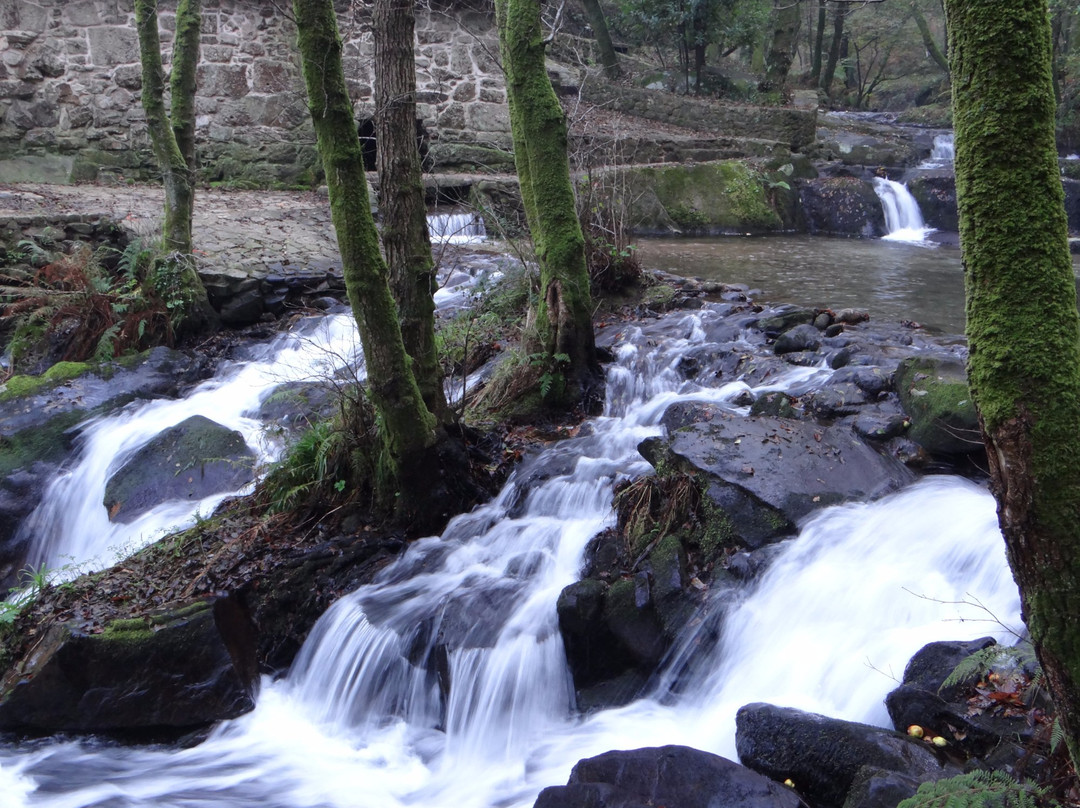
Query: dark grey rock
point(934, 393)
point(675, 776)
point(799, 338)
point(823, 755)
point(192, 460)
point(181, 669)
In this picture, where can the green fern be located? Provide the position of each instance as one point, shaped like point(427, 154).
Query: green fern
point(985, 660)
point(979, 789)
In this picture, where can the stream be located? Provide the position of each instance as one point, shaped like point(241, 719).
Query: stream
point(828, 628)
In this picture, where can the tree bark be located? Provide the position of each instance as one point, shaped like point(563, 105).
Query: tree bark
point(834, 49)
point(562, 318)
point(819, 42)
point(598, 22)
point(785, 39)
point(1023, 327)
point(928, 39)
point(401, 196)
point(173, 140)
point(409, 430)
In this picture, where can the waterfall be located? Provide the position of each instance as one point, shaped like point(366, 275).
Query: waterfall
point(360, 720)
point(456, 228)
point(903, 219)
point(944, 149)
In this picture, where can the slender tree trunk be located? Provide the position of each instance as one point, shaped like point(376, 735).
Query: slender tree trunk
point(1022, 322)
point(401, 196)
point(928, 39)
point(834, 49)
point(563, 315)
point(408, 429)
point(785, 39)
point(819, 42)
point(173, 140)
point(598, 22)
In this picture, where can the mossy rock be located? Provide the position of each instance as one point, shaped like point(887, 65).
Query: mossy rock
point(189, 461)
point(727, 197)
point(934, 393)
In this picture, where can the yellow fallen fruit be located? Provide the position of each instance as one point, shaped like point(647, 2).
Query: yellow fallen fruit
point(915, 731)
point(940, 741)
point(788, 783)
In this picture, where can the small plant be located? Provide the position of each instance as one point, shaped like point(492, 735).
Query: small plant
point(979, 789)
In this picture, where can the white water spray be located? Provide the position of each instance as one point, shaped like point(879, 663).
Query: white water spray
point(363, 721)
point(903, 219)
point(456, 228)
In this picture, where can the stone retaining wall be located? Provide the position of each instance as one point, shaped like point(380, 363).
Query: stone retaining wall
point(70, 82)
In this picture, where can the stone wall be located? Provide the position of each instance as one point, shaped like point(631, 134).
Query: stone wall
point(70, 82)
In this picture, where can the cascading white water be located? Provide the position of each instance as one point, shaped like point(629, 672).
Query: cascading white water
point(360, 722)
point(71, 528)
point(903, 219)
point(456, 228)
point(944, 150)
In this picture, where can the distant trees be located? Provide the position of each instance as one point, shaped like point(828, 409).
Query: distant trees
point(1023, 328)
point(172, 134)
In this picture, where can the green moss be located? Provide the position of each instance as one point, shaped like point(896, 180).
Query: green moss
point(18, 386)
point(49, 442)
point(127, 630)
point(659, 296)
point(718, 533)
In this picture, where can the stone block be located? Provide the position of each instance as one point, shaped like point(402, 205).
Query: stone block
point(113, 45)
point(229, 81)
point(81, 14)
point(25, 15)
point(38, 168)
point(128, 76)
point(270, 76)
point(487, 118)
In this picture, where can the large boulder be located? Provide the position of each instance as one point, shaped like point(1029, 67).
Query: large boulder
point(842, 206)
point(822, 755)
point(935, 191)
point(192, 460)
point(768, 473)
point(666, 775)
point(934, 393)
point(181, 669)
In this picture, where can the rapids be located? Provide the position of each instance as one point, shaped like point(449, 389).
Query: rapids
point(359, 722)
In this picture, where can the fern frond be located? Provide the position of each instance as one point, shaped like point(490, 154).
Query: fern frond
point(979, 789)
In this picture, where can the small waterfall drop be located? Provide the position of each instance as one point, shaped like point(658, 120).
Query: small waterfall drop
point(362, 720)
point(944, 150)
point(903, 219)
point(456, 228)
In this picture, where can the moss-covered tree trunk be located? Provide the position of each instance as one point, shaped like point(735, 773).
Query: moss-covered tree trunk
point(562, 318)
point(173, 139)
point(401, 196)
point(598, 22)
point(409, 431)
point(1022, 323)
point(787, 20)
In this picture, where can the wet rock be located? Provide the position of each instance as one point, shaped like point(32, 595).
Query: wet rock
point(668, 775)
point(835, 401)
point(296, 405)
point(935, 191)
point(880, 788)
point(842, 206)
point(934, 393)
point(878, 426)
point(922, 700)
point(775, 404)
point(790, 467)
point(852, 316)
point(593, 652)
point(185, 668)
point(192, 460)
point(799, 338)
point(784, 319)
point(823, 755)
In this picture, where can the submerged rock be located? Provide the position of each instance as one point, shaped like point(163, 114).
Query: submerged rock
point(666, 775)
point(192, 460)
point(184, 668)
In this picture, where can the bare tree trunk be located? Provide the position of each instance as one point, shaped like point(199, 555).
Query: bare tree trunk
point(563, 314)
point(1023, 327)
point(819, 42)
point(174, 140)
point(928, 39)
point(598, 22)
point(834, 49)
point(401, 196)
